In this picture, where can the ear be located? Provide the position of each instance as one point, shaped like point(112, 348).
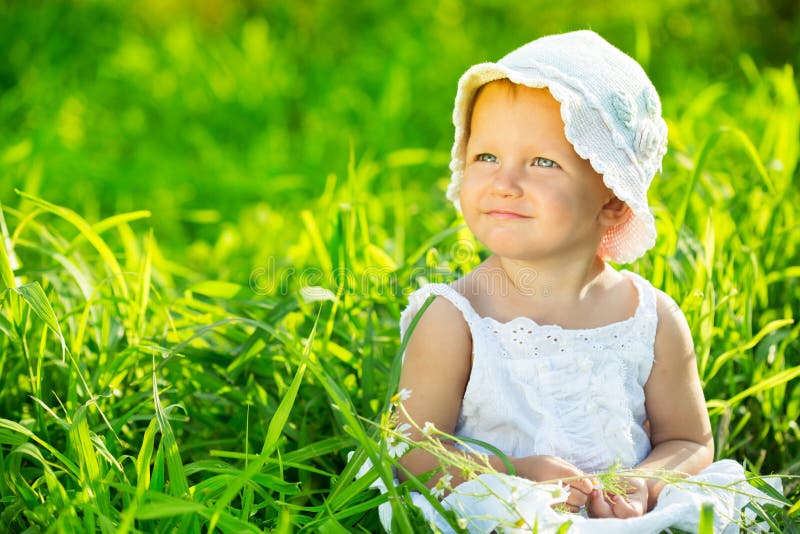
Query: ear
point(614, 212)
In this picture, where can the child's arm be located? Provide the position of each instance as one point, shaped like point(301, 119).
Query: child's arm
point(437, 366)
point(680, 428)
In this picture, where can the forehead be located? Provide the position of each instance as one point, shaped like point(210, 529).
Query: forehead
point(505, 89)
point(503, 99)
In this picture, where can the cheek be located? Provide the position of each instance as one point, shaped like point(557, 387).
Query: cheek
point(469, 198)
point(560, 205)
point(467, 195)
point(476, 177)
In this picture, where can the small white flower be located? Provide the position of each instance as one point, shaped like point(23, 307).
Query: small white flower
point(428, 428)
point(401, 396)
point(316, 293)
point(441, 485)
point(560, 492)
point(461, 522)
point(397, 446)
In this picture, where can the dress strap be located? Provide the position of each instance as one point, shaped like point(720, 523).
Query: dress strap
point(646, 294)
point(417, 299)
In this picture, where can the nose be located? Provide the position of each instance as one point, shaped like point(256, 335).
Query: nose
point(506, 182)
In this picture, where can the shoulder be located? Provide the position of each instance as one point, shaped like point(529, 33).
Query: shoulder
point(446, 303)
point(673, 335)
point(438, 357)
point(671, 325)
point(443, 317)
point(442, 328)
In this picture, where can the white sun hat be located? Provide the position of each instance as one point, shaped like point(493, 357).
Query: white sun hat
point(611, 113)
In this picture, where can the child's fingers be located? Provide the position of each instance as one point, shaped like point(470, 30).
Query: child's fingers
point(623, 508)
point(598, 505)
point(576, 499)
point(584, 485)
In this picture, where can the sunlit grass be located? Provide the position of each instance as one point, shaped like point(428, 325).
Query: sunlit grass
point(153, 391)
point(132, 404)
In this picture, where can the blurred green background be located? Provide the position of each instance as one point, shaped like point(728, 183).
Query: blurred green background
point(288, 135)
point(214, 114)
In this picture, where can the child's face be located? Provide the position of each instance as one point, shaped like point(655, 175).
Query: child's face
point(526, 193)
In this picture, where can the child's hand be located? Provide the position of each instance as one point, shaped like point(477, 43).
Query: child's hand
point(552, 469)
point(632, 504)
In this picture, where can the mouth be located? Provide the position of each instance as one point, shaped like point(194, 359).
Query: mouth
point(505, 214)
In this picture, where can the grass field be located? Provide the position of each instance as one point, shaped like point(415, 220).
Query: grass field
point(212, 214)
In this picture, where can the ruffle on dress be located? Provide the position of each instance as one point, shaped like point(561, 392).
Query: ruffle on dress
point(508, 504)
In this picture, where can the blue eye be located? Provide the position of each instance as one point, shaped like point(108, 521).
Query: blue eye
point(544, 162)
point(489, 158)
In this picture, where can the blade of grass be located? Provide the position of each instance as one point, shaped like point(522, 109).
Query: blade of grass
point(91, 472)
point(274, 431)
point(70, 467)
point(6, 272)
point(706, 523)
point(91, 236)
point(178, 484)
point(770, 382)
point(722, 360)
point(317, 242)
point(34, 296)
point(160, 505)
point(142, 476)
point(143, 293)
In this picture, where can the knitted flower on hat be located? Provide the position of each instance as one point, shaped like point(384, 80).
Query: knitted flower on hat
point(611, 113)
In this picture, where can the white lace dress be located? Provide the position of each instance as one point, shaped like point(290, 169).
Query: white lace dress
point(576, 394)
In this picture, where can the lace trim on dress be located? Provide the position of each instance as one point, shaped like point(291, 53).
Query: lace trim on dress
point(645, 306)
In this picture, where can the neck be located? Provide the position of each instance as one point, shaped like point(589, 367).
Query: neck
point(560, 282)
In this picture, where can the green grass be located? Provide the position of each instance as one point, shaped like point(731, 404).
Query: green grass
point(164, 370)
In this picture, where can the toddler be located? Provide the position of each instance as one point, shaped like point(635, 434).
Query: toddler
point(545, 351)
